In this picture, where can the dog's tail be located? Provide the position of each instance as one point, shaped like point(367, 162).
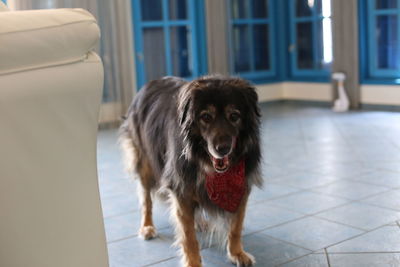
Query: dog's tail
point(130, 153)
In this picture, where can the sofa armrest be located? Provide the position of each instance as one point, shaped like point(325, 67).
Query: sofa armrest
point(42, 38)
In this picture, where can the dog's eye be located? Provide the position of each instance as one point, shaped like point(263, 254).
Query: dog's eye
point(205, 117)
point(234, 117)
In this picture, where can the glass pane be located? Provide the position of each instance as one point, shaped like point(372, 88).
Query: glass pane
point(239, 9)
point(385, 4)
point(323, 7)
point(241, 48)
point(151, 9)
point(324, 44)
point(180, 51)
point(177, 9)
point(154, 53)
point(261, 47)
point(305, 47)
point(304, 8)
point(260, 8)
point(387, 44)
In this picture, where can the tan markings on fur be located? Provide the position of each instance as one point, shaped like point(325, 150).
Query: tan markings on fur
point(130, 153)
point(147, 229)
point(184, 211)
point(236, 254)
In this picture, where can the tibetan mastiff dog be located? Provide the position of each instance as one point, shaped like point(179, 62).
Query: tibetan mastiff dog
point(198, 144)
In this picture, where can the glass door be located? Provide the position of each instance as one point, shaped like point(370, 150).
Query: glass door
point(169, 39)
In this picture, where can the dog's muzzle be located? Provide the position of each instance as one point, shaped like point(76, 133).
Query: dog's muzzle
point(220, 155)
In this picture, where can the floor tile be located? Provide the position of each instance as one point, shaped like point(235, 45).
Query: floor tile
point(137, 252)
point(365, 260)
point(361, 215)
point(119, 204)
point(312, 233)
point(169, 262)
point(383, 178)
point(308, 202)
point(261, 215)
point(312, 260)
point(307, 180)
point(385, 239)
point(127, 225)
point(344, 170)
point(270, 191)
point(350, 190)
point(267, 251)
point(272, 170)
point(117, 187)
point(390, 199)
point(389, 166)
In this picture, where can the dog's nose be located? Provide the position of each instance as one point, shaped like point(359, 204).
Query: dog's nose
point(223, 149)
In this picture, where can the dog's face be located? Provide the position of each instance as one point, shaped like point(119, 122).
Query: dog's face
point(219, 116)
point(219, 125)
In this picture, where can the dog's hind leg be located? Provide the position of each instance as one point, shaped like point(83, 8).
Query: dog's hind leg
point(236, 254)
point(147, 230)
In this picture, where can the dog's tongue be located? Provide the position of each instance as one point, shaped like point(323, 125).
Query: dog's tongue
point(226, 189)
point(221, 163)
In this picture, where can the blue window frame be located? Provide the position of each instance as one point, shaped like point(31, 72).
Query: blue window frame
point(310, 40)
point(169, 39)
point(380, 41)
point(252, 39)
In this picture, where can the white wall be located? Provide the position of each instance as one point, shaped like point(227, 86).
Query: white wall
point(295, 91)
point(380, 94)
point(370, 94)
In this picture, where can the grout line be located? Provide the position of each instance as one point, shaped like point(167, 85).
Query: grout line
point(160, 261)
point(276, 225)
point(122, 239)
point(284, 241)
point(377, 206)
point(327, 257)
point(134, 235)
point(277, 197)
point(314, 213)
point(340, 223)
point(358, 235)
point(294, 259)
point(365, 252)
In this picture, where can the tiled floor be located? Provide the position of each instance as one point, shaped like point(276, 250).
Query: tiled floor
point(331, 195)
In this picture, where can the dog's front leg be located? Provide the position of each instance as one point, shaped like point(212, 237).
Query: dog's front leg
point(185, 231)
point(236, 254)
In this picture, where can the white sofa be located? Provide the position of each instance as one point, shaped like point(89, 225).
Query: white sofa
point(50, 94)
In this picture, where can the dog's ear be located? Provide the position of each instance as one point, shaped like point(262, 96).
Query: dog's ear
point(251, 97)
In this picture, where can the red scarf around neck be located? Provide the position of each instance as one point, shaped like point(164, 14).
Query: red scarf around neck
point(226, 189)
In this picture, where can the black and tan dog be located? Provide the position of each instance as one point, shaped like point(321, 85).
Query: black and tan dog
point(198, 141)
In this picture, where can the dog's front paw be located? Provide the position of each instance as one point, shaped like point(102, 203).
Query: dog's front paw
point(242, 259)
point(147, 232)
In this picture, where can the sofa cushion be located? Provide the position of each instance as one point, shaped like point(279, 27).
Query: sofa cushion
point(41, 38)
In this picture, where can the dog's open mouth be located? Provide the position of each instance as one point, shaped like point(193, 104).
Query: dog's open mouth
point(220, 165)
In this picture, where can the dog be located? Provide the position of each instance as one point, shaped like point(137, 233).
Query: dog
point(199, 142)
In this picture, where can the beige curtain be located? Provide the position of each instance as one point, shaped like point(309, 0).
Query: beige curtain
point(115, 49)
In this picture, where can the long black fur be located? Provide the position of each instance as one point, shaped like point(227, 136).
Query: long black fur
point(162, 125)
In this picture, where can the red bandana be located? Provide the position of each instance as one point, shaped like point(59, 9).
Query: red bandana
point(226, 189)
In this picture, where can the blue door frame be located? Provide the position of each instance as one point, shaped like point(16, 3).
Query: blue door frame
point(195, 23)
point(257, 76)
point(314, 18)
